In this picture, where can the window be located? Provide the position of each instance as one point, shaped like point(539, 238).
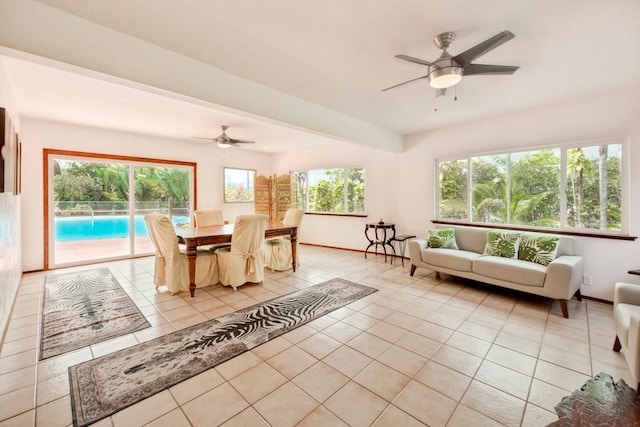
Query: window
point(594, 187)
point(238, 185)
point(340, 190)
point(560, 187)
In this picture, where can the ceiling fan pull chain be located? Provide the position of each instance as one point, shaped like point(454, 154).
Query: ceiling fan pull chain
point(455, 93)
point(435, 103)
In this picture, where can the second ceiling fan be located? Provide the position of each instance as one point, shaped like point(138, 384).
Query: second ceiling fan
point(447, 70)
point(225, 141)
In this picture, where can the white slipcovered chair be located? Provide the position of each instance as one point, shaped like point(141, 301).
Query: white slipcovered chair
point(242, 261)
point(208, 217)
point(626, 315)
point(277, 253)
point(171, 265)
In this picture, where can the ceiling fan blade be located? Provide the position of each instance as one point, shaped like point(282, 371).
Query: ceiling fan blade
point(208, 139)
point(472, 69)
point(414, 60)
point(240, 141)
point(404, 83)
point(465, 58)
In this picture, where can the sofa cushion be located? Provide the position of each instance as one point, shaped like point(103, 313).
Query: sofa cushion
point(444, 238)
point(452, 259)
point(538, 248)
point(511, 270)
point(502, 243)
point(472, 239)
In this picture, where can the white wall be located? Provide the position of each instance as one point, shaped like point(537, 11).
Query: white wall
point(10, 238)
point(381, 187)
point(611, 115)
point(38, 134)
point(402, 185)
point(399, 185)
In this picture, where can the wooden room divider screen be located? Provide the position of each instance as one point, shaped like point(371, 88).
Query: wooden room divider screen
point(274, 195)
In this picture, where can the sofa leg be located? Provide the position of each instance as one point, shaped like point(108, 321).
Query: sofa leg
point(578, 295)
point(438, 275)
point(616, 344)
point(413, 270)
point(563, 307)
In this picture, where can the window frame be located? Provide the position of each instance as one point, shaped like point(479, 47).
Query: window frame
point(224, 184)
point(563, 228)
point(345, 212)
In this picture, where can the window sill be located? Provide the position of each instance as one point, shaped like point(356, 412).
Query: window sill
point(337, 214)
point(541, 230)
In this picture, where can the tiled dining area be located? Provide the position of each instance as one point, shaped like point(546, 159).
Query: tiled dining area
point(420, 351)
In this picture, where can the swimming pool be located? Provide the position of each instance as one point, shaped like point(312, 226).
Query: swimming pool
point(101, 227)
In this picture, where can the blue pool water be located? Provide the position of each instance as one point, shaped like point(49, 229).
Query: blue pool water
point(101, 227)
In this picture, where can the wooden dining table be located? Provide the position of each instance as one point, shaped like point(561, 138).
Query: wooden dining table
point(192, 237)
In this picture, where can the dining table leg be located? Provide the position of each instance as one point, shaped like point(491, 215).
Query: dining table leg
point(191, 249)
point(294, 247)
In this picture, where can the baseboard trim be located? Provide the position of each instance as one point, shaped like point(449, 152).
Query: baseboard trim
point(604, 301)
point(347, 249)
point(330, 247)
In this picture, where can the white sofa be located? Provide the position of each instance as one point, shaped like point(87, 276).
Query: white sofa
point(560, 279)
point(626, 315)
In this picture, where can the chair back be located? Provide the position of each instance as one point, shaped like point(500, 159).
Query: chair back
point(247, 239)
point(293, 217)
point(162, 234)
point(208, 217)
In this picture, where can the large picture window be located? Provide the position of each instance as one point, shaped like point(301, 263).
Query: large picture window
point(338, 190)
point(238, 185)
point(576, 187)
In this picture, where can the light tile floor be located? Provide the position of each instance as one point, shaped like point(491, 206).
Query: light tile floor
point(420, 351)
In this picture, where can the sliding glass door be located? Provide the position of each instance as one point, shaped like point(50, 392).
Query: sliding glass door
point(97, 205)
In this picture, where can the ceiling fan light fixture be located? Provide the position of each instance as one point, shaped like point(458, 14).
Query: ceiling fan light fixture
point(445, 77)
point(223, 144)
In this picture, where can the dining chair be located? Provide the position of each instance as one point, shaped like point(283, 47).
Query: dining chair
point(626, 317)
point(208, 217)
point(242, 262)
point(277, 253)
point(171, 264)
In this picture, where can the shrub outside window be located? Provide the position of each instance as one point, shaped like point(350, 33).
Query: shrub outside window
point(557, 188)
point(238, 185)
point(337, 190)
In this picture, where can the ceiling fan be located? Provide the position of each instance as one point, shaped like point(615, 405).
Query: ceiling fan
point(447, 70)
point(224, 141)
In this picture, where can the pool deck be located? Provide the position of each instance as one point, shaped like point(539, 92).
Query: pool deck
point(90, 250)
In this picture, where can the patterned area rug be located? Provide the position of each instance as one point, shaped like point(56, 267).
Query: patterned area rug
point(83, 308)
point(105, 385)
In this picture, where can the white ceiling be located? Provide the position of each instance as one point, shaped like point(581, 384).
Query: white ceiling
point(59, 95)
point(339, 54)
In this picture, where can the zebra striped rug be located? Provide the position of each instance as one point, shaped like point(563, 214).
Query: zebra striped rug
point(103, 386)
point(83, 308)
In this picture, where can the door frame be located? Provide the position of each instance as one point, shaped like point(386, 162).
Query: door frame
point(48, 153)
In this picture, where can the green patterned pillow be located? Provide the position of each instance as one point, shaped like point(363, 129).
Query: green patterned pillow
point(541, 249)
point(502, 243)
point(444, 238)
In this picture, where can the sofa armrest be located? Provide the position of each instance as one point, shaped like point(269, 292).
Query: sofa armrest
point(564, 276)
point(626, 293)
point(633, 347)
point(415, 246)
